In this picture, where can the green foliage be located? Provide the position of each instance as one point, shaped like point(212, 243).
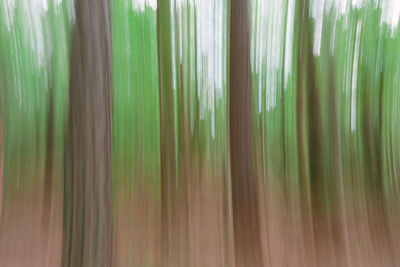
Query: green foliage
point(358, 58)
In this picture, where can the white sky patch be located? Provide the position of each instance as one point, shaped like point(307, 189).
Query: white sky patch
point(140, 5)
point(275, 17)
point(357, 3)
point(35, 28)
point(391, 13)
point(45, 6)
point(219, 48)
point(210, 64)
point(180, 3)
point(333, 38)
point(9, 6)
point(261, 52)
point(206, 37)
point(152, 4)
point(340, 6)
point(38, 11)
point(174, 82)
point(317, 12)
point(289, 40)
point(354, 79)
point(209, 37)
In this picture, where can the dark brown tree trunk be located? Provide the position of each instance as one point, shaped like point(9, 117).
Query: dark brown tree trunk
point(303, 84)
point(87, 235)
point(167, 134)
point(244, 193)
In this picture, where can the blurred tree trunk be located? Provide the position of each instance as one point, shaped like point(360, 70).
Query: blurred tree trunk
point(341, 226)
point(3, 108)
point(48, 175)
point(87, 233)
point(167, 132)
point(1, 165)
point(304, 82)
point(244, 193)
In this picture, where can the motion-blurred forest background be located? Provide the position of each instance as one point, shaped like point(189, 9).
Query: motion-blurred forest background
point(308, 174)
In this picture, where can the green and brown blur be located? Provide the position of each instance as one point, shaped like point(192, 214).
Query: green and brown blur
point(199, 133)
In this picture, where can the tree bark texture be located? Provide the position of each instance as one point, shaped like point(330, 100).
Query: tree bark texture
point(87, 229)
point(245, 212)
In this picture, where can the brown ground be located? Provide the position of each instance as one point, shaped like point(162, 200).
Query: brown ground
point(137, 237)
point(23, 242)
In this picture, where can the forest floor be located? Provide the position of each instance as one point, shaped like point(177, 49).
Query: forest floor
point(24, 239)
point(204, 233)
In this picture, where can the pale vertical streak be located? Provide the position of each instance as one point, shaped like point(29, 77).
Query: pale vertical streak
point(332, 48)
point(289, 40)
point(9, 6)
point(172, 22)
point(275, 18)
point(180, 23)
point(214, 14)
point(354, 79)
point(253, 32)
point(258, 42)
point(358, 3)
point(261, 45)
point(270, 52)
point(318, 14)
point(390, 13)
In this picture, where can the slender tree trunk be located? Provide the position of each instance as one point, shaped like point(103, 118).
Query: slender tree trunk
point(87, 235)
point(3, 108)
point(244, 193)
point(185, 168)
point(303, 84)
point(341, 227)
point(1, 166)
point(167, 131)
point(48, 176)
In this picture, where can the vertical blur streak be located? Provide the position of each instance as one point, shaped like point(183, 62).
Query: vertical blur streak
point(1, 166)
point(245, 208)
point(49, 162)
point(340, 223)
point(192, 133)
point(171, 248)
point(305, 72)
point(87, 236)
